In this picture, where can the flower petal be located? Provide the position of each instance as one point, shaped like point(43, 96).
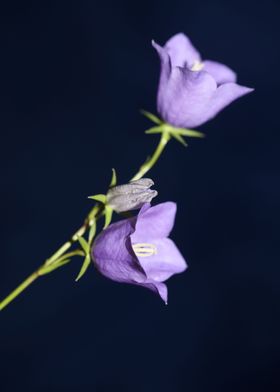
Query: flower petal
point(183, 100)
point(154, 222)
point(224, 95)
point(158, 288)
point(220, 72)
point(166, 262)
point(113, 255)
point(181, 51)
point(165, 63)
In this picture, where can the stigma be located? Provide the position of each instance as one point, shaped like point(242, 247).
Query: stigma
point(144, 249)
point(197, 66)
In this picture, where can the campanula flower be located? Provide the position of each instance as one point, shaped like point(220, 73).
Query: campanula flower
point(138, 251)
point(192, 91)
point(131, 196)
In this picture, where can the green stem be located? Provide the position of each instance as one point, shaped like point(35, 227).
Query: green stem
point(19, 290)
point(36, 274)
point(27, 282)
point(165, 137)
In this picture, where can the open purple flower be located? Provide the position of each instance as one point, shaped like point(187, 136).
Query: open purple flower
point(192, 91)
point(137, 250)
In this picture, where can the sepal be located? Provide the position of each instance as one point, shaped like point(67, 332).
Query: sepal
point(151, 117)
point(172, 132)
point(100, 198)
point(84, 268)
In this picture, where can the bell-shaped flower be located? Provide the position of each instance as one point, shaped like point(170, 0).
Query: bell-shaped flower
point(131, 196)
point(138, 251)
point(192, 91)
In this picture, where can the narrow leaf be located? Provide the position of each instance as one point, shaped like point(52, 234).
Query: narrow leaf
point(84, 244)
point(108, 216)
point(114, 178)
point(85, 266)
point(49, 268)
point(101, 198)
point(92, 231)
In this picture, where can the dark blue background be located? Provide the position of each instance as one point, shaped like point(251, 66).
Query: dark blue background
point(73, 77)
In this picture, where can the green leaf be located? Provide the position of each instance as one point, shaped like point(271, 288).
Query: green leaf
point(84, 244)
point(151, 117)
point(113, 179)
point(108, 216)
point(85, 266)
point(49, 268)
point(100, 197)
point(180, 139)
point(92, 231)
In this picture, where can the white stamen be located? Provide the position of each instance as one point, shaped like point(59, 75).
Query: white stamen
point(144, 249)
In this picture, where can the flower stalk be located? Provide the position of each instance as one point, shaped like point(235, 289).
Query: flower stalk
point(147, 166)
point(60, 256)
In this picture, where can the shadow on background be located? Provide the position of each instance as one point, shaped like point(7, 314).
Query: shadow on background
point(74, 75)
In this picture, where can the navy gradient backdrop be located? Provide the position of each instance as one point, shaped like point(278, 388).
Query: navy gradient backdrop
point(73, 77)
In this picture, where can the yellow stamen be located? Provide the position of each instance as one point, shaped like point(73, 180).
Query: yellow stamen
point(144, 249)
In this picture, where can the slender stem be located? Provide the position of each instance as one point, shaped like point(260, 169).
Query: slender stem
point(165, 137)
point(19, 289)
point(27, 282)
point(79, 233)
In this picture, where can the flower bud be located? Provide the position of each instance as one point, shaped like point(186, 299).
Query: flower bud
point(131, 196)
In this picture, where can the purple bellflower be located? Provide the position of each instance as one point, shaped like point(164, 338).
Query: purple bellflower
point(137, 250)
point(192, 91)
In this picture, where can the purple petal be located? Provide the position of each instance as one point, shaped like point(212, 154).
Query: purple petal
point(183, 99)
point(165, 63)
point(154, 222)
point(220, 72)
point(113, 255)
point(224, 95)
point(158, 288)
point(190, 98)
point(166, 262)
point(181, 51)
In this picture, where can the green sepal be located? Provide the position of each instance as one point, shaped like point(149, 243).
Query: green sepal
point(188, 132)
point(49, 268)
point(84, 244)
point(152, 130)
point(108, 216)
point(100, 197)
point(92, 231)
point(84, 268)
point(113, 179)
point(179, 138)
point(168, 129)
point(151, 117)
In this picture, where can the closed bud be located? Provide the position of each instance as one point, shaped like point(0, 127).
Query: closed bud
point(131, 196)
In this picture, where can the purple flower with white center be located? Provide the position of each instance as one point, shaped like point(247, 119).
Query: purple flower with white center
point(138, 251)
point(192, 91)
